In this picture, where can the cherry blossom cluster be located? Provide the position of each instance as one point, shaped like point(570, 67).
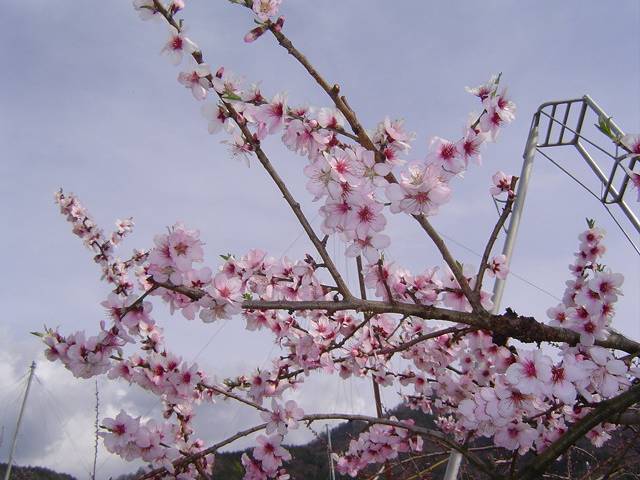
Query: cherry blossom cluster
point(166, 375)
point(84, 357)
point(267, 460)
point(431, 287)
point(177, 383)
point(354, 183)
point(378, 444)
point(535, 399)
point(114, 270)
point(588, 301)
point(478, 384)
point(524, 399)
point(130, 438)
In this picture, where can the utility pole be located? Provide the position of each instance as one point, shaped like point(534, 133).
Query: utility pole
point(332, 473)
point(7, 473)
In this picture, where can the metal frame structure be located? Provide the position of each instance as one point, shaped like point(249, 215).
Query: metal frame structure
point(610, 194)
point(558, 114)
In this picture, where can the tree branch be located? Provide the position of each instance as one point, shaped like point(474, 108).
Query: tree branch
point(606, 410)
point(332, 90)
point(432, 434)
point(522, 328)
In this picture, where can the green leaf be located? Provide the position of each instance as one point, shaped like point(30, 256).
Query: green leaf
point(231, 96)
point(604, 125)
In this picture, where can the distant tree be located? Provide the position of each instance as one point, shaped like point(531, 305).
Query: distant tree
point(458, 358)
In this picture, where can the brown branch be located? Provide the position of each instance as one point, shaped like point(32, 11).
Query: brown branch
point(422, 338)
point(384, 282)
point(606, 410)
point(235, 397)
point(522, 328)
point(433, 434)
point(627, 418)
point(332, 90)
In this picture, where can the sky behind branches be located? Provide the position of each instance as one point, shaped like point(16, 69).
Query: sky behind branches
point(89, 104)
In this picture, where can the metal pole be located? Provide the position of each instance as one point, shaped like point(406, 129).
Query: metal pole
point(7, 473)
point(95, 444)
point(455, 458)
point(332, 473)
point(518, 206)
point(453, 465)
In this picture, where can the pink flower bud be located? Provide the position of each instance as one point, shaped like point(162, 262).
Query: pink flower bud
point(254, 34)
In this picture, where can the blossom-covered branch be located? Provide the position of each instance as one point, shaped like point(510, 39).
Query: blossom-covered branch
point(470, 375)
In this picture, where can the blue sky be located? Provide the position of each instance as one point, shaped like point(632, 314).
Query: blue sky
point(89, 104)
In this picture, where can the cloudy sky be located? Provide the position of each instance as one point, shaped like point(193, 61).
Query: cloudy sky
point(89, 104)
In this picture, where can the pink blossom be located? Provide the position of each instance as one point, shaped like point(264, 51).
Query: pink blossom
point(370, 246)
point(421, 191)
point(607, 285)
point(516, 436)
point(501, 184)
point(365, 217)
point(177, 45)
point(446, 155)
point(270, 453)
point(330, 118)
point(632, 142)
point(558, 315)
point(197, 80)
point(531, 373)
point(266, 8)
point(146, 9)
point(498, 267)
point(216, 117)
point(485, 90)
point(499, 104)
point(227, 84)
point(282, 418)
point(469, 146)
point(609, 376)
point(272, 113)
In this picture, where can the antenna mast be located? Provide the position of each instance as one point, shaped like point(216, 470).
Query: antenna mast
point(7, 473)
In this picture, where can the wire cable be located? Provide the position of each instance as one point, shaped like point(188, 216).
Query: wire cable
point(511, 272)
point(63, 425)
point(620, 227)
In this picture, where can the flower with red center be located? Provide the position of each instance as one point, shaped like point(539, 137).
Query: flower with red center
point(177, 45)
point(531, 373)
point(446, 155)
point(272, 114)
point(270, 453)
point(197, 80)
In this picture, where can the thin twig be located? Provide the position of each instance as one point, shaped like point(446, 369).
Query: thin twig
point(492, 239)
